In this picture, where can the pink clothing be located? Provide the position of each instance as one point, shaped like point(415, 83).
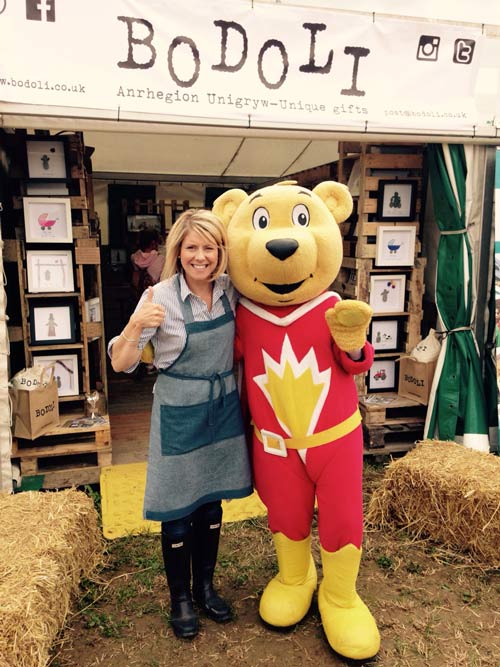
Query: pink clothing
point(152, 261)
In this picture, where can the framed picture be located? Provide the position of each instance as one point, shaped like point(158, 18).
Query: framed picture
point(387, 293)
point(65, 372)
point(52, 323)
point(118, 256)
point(395, 245)
point(46, 159)
point(93, 310)
point(397, 199)
point(47, 219)
point(135, 223)
point(385, 335)
point(50, 271)
point(47, 189)
point(382, 376)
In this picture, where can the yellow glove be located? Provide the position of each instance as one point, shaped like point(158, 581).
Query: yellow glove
point(348, 322)
point(148, 353)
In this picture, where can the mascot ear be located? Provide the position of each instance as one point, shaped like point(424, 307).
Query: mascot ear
point(225, 206)
point(337, 198)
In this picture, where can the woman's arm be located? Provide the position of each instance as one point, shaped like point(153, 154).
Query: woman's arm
point(124, 352)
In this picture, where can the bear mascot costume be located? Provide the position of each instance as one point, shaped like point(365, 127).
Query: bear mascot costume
point(300, 346)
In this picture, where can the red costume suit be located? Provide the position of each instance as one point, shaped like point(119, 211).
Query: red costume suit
point(304, 406)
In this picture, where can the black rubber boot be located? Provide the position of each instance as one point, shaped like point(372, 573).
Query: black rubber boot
point(176, 541)
point(206, 531)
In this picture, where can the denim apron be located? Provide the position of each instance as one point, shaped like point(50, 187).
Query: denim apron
point(197, 448)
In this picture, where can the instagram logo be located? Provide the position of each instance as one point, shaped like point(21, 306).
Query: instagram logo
point(428, 47)
point(463, 51)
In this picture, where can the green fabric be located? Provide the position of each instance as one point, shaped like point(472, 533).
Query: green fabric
point(459, 407)
point(490, 368)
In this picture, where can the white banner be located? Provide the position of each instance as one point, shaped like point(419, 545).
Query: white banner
point(246, 63)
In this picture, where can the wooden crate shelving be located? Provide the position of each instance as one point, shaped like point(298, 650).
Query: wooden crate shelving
point(391, 423)
point(363, 167)
point(67, 456)
point(63, 449)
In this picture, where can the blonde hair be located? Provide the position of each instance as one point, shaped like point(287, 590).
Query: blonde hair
point(207, 225)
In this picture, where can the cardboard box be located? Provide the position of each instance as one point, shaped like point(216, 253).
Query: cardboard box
point(415, 379)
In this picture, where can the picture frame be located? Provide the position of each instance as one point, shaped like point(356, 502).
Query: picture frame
point(118, 256)
point(52, 322)
point(46, 158)
point(395, 245)
point(66, 372)
point(382, 376)
point(41, 189)
point(387, 293)
point(385, 334)
point(397, 199)
point(47, 219)
point(93, 310)
point(136, 223)
point(50, 271)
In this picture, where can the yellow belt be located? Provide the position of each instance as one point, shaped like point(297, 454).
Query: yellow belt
point(276, 444)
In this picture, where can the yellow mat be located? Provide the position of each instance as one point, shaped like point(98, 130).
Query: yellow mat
point(122, 494)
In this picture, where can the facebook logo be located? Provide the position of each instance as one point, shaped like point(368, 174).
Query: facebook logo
point(41, 10)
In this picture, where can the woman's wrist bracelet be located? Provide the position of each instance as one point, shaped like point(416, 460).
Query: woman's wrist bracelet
point(129, 340)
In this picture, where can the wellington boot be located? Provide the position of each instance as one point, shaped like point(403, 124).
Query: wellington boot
point(206, 536)
point(287, 597)
point(183, 618)
point(348, 624)
point(177, 560)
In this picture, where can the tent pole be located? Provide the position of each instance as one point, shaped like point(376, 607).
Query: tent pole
point(486, 259)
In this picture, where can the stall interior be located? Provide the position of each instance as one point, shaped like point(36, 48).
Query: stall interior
point(61, 262)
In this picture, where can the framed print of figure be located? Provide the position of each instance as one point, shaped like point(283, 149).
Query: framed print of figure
point(50, 271)
point(52, 323)
point(397, 200)
point(46, 159)
point(387, 293)
point(65, 371)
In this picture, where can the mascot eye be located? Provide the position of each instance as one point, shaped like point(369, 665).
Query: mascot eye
point(260, 218)
point(300, 215)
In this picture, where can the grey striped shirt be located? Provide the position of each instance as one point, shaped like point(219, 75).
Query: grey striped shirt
point(170, 337)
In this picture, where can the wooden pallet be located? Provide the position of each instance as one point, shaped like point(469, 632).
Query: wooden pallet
point(66, 456)
point(394, 425)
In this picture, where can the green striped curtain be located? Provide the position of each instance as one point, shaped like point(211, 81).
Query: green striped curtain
point(457, 408)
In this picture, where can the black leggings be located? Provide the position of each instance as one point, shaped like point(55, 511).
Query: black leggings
point(176, 530)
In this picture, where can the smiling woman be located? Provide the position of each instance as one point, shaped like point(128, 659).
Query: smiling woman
point(197, 449)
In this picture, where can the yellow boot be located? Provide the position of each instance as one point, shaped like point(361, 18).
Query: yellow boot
point(348, 624)
point(287, 597)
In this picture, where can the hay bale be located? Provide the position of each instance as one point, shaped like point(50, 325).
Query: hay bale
point(444, 492)
point(48, 541)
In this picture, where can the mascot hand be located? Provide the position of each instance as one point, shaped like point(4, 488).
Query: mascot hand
point(348, 322)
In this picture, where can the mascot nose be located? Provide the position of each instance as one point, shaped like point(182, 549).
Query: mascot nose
point(282, 248)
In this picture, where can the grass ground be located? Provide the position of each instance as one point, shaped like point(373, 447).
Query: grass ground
point(434, 608)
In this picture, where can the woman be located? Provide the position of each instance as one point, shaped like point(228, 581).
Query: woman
point(197, 451)
point(146, 260)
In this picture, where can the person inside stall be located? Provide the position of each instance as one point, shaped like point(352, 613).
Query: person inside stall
point(147, 263)
point(197, 451)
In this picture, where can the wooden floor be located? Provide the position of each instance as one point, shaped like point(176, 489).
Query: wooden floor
point(130, 402)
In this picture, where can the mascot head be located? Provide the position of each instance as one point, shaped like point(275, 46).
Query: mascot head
point(285, 246)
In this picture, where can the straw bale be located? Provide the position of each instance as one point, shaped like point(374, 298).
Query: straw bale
point(48, 541)
point(444, 492)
